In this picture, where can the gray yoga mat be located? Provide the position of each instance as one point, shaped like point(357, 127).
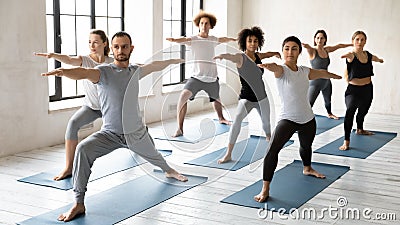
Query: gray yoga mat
point(361, 146)
point(117, 161)
point(244, 153)
point(289, 188)
point(123, 201)
point(198, 132)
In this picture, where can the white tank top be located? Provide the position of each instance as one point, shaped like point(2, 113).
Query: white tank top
point(91, 97)
point(203, 51)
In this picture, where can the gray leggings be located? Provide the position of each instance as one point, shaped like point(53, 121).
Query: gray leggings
point(244, 107)
point(324, 86)
point(83, 116)
point(104, 142)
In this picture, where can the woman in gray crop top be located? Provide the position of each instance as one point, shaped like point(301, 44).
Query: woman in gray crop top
point(319, 59)
point(359, 92)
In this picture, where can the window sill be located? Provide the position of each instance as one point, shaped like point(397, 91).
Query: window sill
point(172, 88)
point(70, 104)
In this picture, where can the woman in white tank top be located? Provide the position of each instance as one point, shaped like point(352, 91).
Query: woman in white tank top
point(90, 111)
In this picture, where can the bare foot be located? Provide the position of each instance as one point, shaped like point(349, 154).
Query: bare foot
point(268, 137)
point(178, 133)
point(331, 116)
point(64, 174)
point(174, 174)
point(309, 171)
point(224, 121)
point(264, 194)
point(225, 159)
point(345, 146)
point(76, 210)
point(364, 132)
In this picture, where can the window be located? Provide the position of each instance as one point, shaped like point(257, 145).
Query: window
point(68, 26)
point(177, 22)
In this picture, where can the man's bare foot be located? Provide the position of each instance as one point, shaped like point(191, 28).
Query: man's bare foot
point(345, 146)
point(174, 174)
point(178, 133)
point(331, 116)
point(76, 210)
point(309, 171)
point(64, 174)
point(224, 121)
point(264, 194)
point(225, 159)
point(364, 132)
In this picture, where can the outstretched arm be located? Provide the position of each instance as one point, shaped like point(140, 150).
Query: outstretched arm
point(336, 47)
point(181, 40)
point(273, 67)
point(310, 50)
point(264, 55)
point(235, 58)
point(70, 60)
point(349, 57)
point(376, 59)
point(316, 74)
point(225, 39)
point(77, 73)
point(158, 66)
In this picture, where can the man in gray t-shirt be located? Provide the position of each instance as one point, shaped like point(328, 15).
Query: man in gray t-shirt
point(118, 85)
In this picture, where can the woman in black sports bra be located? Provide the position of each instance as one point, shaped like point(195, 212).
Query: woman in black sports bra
point(359, 92)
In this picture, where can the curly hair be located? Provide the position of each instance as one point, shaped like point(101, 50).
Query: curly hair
point(211, 17)
point(253, 31)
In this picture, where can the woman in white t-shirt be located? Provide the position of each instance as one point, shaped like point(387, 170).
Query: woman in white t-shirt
point(90, 111)
point(296, 113)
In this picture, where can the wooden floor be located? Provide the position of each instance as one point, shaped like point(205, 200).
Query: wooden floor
point(372, 183)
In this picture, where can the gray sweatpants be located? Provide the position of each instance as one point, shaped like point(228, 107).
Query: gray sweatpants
point(83, 116)
point(104, 142)
point(244, 107)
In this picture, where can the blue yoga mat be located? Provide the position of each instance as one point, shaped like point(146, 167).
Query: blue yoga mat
point(289, 188)
point(117, 161)
point(324, 123)
point(244, 153)
point(123, 201)
point(361, 146)
point(199, 132)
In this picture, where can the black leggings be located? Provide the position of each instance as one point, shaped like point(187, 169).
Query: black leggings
point(356, 97)
point(282, 133)
point(324, 86)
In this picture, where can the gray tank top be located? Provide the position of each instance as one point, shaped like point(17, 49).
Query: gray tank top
point(320, 63)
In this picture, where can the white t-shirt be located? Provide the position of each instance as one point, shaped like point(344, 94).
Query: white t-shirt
point(293, 87)
point(203, 51)
point(91, 97)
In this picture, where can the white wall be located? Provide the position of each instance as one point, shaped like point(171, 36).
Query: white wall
point(340, 18)
point(26, 122)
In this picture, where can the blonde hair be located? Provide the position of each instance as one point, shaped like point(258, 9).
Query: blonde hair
point(357, 33)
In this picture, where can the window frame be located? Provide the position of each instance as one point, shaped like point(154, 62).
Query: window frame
point(183, 33)
point(57, 40)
